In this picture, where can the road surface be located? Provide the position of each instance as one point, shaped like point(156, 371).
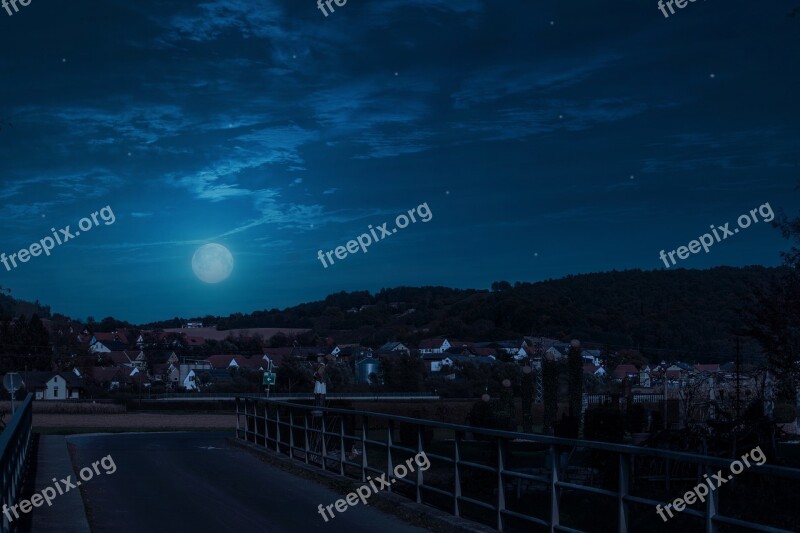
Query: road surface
point(196, 482)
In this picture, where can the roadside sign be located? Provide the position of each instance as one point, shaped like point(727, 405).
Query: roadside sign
point(269, 378)
point(12, 382)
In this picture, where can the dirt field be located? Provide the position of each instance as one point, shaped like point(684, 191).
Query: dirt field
point(167, 421)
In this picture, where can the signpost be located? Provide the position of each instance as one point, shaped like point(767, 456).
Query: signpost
point(12, 383)
point(269, 378)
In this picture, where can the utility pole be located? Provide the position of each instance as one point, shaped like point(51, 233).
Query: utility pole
point(738, 378)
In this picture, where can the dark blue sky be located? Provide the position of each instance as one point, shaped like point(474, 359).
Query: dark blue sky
point(547, 138)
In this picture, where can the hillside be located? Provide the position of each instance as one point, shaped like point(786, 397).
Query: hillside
point(678, 314)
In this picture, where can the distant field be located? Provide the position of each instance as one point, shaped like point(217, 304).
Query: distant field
point(137, 421)
point(212, 333)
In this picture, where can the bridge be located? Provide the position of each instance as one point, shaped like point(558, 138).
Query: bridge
point(292, 467)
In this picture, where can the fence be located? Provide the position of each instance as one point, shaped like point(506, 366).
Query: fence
point(519, 481)
point(14, 447)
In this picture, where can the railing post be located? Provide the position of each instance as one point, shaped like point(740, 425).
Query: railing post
point(457, 476)
point(305, 434)
point(266, 425)
point(237, 416)
point(554, 512)
point(624, 479)
point(712, 506)
point(278, 429)
point(419, 472)
point(501, 494)
point(389, 465)
point(341, 446)
point(291, 434)
point(364, 423)
point(324, 445)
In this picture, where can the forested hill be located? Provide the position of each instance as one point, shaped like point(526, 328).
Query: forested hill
point(11, 307)
point(676, 314)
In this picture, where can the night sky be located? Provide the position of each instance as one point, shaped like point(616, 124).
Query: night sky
point(546, 138)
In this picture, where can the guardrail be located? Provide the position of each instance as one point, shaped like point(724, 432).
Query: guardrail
point(14, 447)
point(294, 395)
point(520, 481)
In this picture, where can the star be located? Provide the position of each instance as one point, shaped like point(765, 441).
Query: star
point(63, 59)
point(129, 154)
point(631, 176)
point(552, 23)
point(43, 215)
point(447, 193)
point(536, 254)
point(712, 76)
point(560, 116)
point(395, 74)
point(294, 56)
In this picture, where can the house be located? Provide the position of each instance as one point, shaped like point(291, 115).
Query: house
point(52, 385)
point(394, 347)
point(197, 378)
point(557, 352)
point(187, 365)
point(433, 361)
point(625, 371)
point(195, 342)
point(593, 357)
point(437, 364)
point(114, 336)
point(96, 346)
point(590, 369)
point(115, 358)
point(108, 378)
point(711, 369)
point(437, 345)
point(479, 360)
point(353, 352)
point(140, 361)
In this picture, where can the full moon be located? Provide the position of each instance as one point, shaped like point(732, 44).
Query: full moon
point(212, 263)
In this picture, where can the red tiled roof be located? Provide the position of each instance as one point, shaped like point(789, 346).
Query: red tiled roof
point(622, 371)
point(195, 341)
point(589, 368)
point(118, 358)
point(110, 337)
point(429, 344)
point(707, 368)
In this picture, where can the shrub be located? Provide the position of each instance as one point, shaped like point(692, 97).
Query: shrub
point(636, 418)
point(604, 423)
point(784, 413)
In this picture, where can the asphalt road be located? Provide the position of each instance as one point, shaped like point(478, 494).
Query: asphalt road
point(195, 482)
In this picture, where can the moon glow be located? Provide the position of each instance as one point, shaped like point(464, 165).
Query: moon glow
point(212, 263)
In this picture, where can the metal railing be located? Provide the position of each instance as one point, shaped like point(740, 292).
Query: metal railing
point(519, 481)
point(14, 447)
point(297, 395)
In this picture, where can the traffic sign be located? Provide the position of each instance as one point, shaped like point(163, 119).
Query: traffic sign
point(12, 382)
point(269, 378)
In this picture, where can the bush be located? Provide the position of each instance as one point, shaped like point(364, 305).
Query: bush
point(604, 424)
point(636, 418)
point(489, 415)
point(784, 413)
